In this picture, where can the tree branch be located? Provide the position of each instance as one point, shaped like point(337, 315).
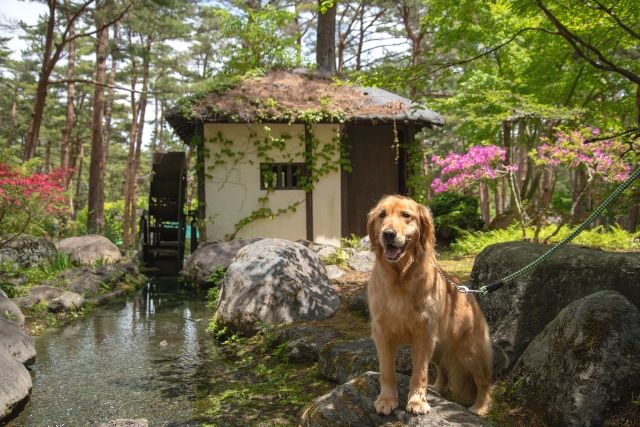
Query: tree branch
point(579, 45)
point(615, 17)
point(485, 53)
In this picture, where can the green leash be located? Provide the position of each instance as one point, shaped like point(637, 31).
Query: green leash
point(545, 256)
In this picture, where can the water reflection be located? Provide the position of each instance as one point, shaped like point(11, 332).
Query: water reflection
point(112, 364)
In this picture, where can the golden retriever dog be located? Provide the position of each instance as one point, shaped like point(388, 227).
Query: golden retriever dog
point(411, 303)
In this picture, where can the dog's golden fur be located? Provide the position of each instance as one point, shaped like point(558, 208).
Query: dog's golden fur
point(410, 303)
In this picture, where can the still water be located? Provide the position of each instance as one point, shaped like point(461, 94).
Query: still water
point(145, 357)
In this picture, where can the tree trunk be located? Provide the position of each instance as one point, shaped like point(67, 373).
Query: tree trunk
point(47, 157)
point(136, 165)
point(633, 218)
point(485, 212)
point(14, 111)
point(95, 219)
point(65, 143)
point(106, 134)
point(497, 199)
point(361, 35)
point(77, 199)
point(126, 232)
point(41, 91)
point(326, 40)
point(547, 189)
point(578, 187)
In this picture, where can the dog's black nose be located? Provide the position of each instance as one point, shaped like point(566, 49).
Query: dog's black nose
point(388, 235)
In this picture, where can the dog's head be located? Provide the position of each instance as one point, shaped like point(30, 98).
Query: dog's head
point(398, 226)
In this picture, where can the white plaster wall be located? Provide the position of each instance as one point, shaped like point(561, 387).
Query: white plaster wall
point(327, 221)
point(233, 188)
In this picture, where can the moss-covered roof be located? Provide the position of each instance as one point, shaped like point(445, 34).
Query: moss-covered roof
point(296, 97)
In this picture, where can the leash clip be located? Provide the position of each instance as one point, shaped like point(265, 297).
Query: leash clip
point(466, 290)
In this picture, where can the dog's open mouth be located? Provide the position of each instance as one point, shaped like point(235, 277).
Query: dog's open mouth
point(392, 252)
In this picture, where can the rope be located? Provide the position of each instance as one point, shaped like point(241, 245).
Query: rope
point(545, 256)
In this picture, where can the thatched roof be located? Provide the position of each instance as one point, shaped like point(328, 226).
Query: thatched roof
point(294, 96)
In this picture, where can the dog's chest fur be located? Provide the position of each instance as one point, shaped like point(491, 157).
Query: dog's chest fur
point(402, 310)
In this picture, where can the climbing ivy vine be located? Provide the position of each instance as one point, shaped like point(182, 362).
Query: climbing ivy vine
point(320, 158)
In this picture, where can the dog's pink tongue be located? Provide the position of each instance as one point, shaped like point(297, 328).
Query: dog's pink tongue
point(391, 252)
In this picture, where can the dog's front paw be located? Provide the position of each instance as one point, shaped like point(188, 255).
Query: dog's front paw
point(386, 404)
point(418, 404)
point(481, 410)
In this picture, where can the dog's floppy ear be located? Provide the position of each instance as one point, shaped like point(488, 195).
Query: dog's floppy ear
point(427, 229)
point(371, 219)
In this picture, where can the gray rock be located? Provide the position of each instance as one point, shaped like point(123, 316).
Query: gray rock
point(362, 261)
point(584, 362)
point(360, 303)
point(344, 361)
point(16, 342)
point(126, 423)
point(28, 251)
point(15, 384)
point(304, 343)
point(88, 281)
point(326, 251)
point(366, 242)
point(351, 405)
point(333, 272)
point(10, 311)
point(274, 281)
point(90, 249)
point(206, 259)
point(519, 311)
point(68, 301)
point(37, 294)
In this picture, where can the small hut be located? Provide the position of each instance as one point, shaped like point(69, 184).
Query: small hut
point(295, 155)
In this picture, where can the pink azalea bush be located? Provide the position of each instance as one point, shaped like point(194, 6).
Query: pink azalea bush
point(601, 158)
point(29, 201)
point(479, 163)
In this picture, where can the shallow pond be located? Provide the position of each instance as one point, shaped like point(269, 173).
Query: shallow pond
point(145, 357)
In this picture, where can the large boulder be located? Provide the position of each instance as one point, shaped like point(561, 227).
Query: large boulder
point(208, 257)
point(27, 251)
point(16, 342)
point(10, 311)
point(343, 361)
point(587, 359)
point(351, 405)
point(88, 281)
point(519, 311)
point(90, 249)
point(15, 384)
point(274, 281)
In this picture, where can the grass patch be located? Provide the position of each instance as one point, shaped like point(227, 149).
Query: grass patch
point(258, 387)
point(611, 239)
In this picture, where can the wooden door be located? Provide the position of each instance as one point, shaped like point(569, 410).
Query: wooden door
point(375, 172)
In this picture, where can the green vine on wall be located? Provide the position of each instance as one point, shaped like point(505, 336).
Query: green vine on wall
point(319, 159)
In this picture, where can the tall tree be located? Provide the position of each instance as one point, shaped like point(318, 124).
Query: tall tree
point(326, 37)
point(95, 218)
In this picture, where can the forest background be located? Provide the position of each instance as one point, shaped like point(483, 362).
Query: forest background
point(541, 98)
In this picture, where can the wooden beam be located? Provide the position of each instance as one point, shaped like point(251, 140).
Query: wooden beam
point(308, 154)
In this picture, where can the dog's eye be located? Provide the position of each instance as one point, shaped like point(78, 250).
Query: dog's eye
point(382, 214)
point(405, 214)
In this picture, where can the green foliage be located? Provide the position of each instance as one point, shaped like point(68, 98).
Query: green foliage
point(611, 239)
point(454, 213)
point(339, 258)
point(221, 333)
point(354, 242)
point(217, 276)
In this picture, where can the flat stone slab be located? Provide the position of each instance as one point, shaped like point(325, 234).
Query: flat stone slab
point(351, 405)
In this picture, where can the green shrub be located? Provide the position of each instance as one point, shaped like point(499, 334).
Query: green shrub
point(612, 239)
point(454, 213)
